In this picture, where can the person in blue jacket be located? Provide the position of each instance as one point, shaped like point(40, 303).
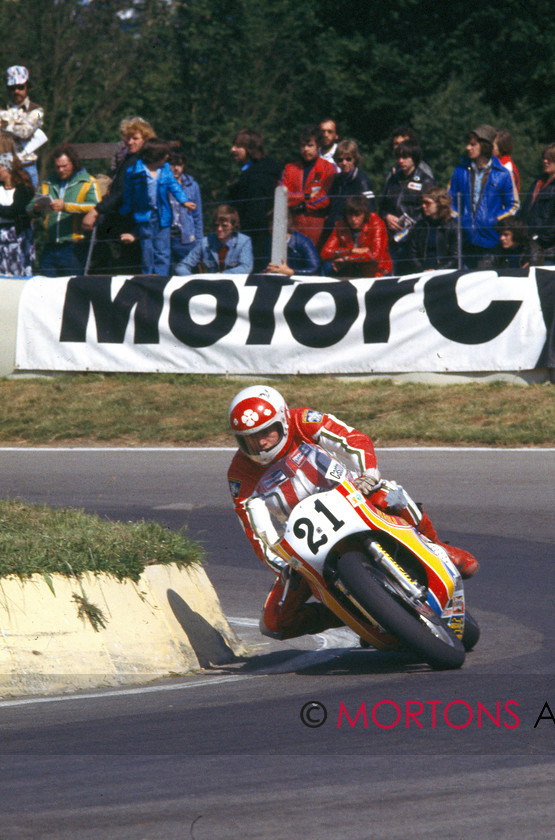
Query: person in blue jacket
point(186, 229)
point(484, 192)
point(227, 251)
point(148, 185)
point(302, 257)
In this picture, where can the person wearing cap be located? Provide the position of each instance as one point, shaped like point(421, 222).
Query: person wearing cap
point(484, 193)
point(23, 120)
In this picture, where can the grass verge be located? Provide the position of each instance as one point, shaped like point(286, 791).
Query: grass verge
point(186, 410)
point(38, 539)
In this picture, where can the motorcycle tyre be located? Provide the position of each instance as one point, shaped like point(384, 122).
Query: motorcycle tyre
point(354, 572)
point(471, 632)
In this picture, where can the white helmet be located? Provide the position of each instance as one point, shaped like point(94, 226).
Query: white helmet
point(254, 410)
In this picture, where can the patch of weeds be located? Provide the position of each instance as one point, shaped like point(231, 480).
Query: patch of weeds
point(90, 612)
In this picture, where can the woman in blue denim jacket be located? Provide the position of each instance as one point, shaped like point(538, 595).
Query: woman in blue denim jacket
point(224, 252)
point(148, 184)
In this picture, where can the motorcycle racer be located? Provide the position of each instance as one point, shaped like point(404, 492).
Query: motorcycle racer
point(266, 429)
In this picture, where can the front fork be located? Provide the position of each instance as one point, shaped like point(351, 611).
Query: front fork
point(453, 614)
point(394, 570)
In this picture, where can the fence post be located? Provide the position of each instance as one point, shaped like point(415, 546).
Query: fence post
point(279, 227)
point(459, 233)
point(92, 243)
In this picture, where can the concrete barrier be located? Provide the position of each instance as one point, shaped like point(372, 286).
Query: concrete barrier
point(168, 623)
point(10, 292)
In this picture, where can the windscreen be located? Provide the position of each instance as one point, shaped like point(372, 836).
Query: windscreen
point(306, 470)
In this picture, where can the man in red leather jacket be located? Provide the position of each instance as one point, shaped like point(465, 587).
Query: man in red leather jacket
point(266, 429)
point(308, 182)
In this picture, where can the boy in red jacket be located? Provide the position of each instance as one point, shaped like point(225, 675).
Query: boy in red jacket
point(308, 182)
point(358, 244)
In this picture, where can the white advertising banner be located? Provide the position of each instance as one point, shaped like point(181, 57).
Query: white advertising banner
point(268, 324)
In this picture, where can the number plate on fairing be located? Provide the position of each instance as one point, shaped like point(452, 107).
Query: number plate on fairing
point(317, 523)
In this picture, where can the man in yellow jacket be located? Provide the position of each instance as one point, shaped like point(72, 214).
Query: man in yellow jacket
point(64, 199)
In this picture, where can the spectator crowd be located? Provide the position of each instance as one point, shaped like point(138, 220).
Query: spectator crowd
point(148, 217)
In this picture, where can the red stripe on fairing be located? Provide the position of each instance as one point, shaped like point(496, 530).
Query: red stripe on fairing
point(436, 582)
point(377, 638)
point(437, 585)
point(310, 571)
point(346, 491)
point(381, 641)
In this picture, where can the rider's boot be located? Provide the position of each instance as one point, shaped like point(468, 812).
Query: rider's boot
point(465, 562)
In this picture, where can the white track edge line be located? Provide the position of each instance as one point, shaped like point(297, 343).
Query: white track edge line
point(196, 449)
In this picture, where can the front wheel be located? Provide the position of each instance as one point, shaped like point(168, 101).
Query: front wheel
point(471, 632)
point(423, 631)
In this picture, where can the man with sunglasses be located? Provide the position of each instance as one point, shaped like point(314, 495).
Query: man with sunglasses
point(23, 119)
point(350, 180)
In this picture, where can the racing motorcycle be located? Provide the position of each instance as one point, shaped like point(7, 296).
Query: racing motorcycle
point(391, 585)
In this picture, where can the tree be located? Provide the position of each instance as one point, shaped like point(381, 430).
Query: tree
point(84, 59)
point(199, 70)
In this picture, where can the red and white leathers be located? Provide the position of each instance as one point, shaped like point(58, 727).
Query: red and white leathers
point(309, 201)
point(290, 616)
point(352, 449)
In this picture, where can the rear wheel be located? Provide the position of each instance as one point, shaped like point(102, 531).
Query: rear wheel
point(413, 623)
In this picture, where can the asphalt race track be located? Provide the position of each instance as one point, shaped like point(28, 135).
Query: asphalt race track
point(226, 754)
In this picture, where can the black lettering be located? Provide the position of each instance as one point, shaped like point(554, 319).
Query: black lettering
point(306, 331)
point(545, 281)
point(203, 335)
point(261, 313)
point(299, 531)
point(445, 314)
point(379, 300)
point(548, 716)
point(321, 508)
point(112, 317)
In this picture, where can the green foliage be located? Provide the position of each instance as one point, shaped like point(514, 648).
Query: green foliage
point(38, 539)
point(202, 69)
